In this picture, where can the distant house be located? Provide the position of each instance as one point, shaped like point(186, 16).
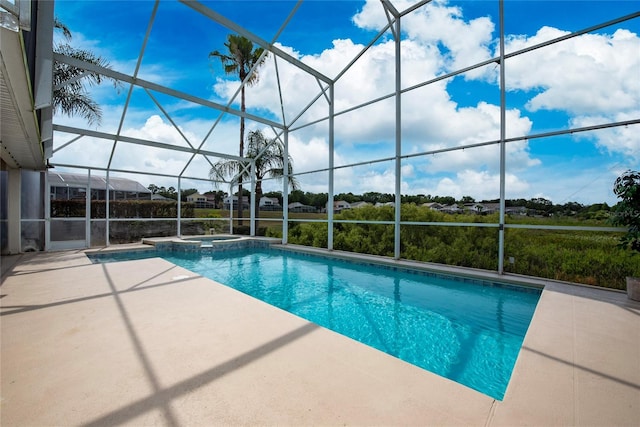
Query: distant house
point(269, 204)
point(359, 205)
point(200, 201)
point(211, 199)
point(299, 207)
point(161, 198)
point(516, 210)
point(229, 200)
point(477, 208)
point(380, 204)
point(433, 205)
point(490, 208)
point(451, 209)
point(339, 206)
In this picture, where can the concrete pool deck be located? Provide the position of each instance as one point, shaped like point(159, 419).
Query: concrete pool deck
point(147, 342)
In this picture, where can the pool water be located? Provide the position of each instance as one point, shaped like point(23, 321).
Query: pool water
point(468, 331)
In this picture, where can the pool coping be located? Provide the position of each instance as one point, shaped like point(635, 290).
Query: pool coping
point(156, 331)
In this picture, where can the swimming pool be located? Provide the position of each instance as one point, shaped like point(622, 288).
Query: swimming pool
point(467, 330)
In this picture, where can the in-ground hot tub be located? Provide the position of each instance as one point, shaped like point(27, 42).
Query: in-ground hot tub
point(208, 240)
point(208, 243)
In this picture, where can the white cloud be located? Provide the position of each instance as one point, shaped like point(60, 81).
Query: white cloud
point(481, 185)
point(586, 75)
point(625, 140)
point(437, 24)
point(475, 125)
point(309, 155)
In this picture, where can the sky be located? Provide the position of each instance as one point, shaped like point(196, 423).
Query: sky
point(585, 81)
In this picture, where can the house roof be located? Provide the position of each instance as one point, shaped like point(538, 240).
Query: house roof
point(62, 179)
point(295, 205)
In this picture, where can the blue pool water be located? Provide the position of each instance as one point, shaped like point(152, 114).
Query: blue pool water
point(469, 331)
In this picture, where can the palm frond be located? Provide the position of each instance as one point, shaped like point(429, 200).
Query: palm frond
point(241, 58)
point(268, 155)
point(227, 171)
point(58, 24)
point(77, 103)
point(70, 95)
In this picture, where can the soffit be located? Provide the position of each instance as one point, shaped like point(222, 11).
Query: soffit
point(19, 133)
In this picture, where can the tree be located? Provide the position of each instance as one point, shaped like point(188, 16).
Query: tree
point(627, 210)
point(298, 196)
point(218, 197)
point(268, 155)
point(467, 199)
point(241, 60)
point(169, 193)
point(70, 95)
point(185, 193)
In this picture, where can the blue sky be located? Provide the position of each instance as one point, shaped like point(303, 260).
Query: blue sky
point(586, 81)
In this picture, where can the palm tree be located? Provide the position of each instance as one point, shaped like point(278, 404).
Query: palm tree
point(240, 60)
point(70, 94)
point(268, 155)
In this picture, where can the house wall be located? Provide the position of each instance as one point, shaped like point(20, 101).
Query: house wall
point(13, 211)
point(4, 213)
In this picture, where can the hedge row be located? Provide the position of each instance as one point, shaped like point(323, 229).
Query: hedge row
point(588, 257)
point(122, 209)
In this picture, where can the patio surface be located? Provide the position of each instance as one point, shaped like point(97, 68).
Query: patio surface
point(147, 342)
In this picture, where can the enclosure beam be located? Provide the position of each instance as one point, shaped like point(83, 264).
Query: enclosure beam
point(503, 155)
point(231, 207)
point(252, 200)
point(87, 213)
point(138, 141)
point(398, 156)
point(331, 167)
point(106, 216)
point(179, 209)
point(285, 190)
point(47, 213)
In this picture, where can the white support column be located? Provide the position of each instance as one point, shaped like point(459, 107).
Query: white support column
point(14, 190)
point(231, 208)
point(502, 144)
point(285, 191)
point(398, 160)
point(47, 212)
point(252, 201)
point(87, 205)
point(106, 216)
point(179, 210)
point(331, 164)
